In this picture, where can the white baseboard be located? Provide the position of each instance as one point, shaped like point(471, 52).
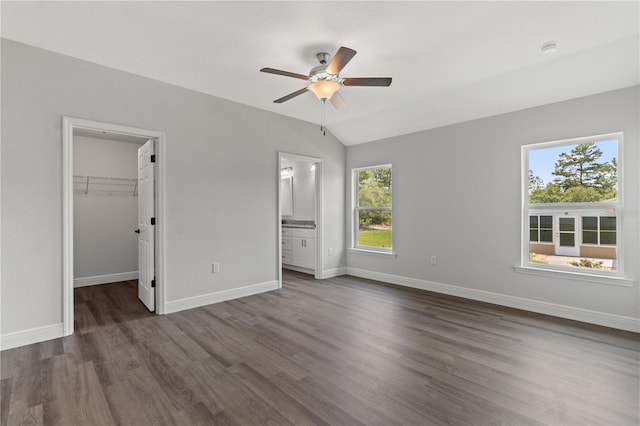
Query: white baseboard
point(104, 279)
point(219, 296)
point(330, 273)
point(298, 269)
point(562, 311)
point(33, 335)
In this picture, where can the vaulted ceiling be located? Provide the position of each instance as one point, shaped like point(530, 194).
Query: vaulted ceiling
point(451, 61)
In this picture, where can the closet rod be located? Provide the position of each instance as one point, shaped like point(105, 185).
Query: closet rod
point(107, 181)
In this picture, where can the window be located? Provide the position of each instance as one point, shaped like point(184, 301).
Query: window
point(372, 211)
point(541, 228)
point(599, 230)
point(572, 204)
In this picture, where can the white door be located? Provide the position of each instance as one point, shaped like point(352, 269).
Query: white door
point(146, 222)
point(567, 235)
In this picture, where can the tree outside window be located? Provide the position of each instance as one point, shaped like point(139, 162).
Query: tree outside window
point(579, 175)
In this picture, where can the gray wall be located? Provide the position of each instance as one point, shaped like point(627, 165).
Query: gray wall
point(221, 179)
point(104, 218)
point(456, 195)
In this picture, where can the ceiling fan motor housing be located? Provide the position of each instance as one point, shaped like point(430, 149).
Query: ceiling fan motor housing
point(323, 58)
point(319, 73)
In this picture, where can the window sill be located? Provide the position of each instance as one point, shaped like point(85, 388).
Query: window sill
point(578, 276)
point(387, 254)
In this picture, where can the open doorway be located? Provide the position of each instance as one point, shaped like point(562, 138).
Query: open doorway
point(300, 214)
point(105, 207)
point(112, 181)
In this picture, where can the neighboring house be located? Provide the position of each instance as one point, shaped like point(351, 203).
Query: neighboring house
point(589, 234)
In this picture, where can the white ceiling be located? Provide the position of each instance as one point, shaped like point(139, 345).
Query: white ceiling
point(450, 61)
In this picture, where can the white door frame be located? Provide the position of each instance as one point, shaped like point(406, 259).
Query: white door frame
point(69, 124)
point(318, 213)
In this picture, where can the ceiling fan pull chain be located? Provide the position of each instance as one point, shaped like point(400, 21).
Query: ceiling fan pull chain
point(322, 117)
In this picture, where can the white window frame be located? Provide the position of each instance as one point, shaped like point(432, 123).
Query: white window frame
point(355, 217)
point(578, 209)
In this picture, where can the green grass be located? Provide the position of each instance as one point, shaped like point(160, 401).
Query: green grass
point(375, 238)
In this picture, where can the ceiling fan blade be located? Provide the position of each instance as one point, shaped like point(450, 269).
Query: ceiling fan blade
point(340, 59)
point(284, 73)
point(338, 101)
point(291, 95)
point(367, 81)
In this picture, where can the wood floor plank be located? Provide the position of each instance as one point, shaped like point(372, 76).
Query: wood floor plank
point(198, 415)
point(5, 399)
point(151, 399)
point(165, 374)
point(367, 388)
point(341, 351)
point(314, 401)
point(91, 405)
point(288, 407)
point(225, 392)
point(59, 407)
point(124, 405)
point(30, 416)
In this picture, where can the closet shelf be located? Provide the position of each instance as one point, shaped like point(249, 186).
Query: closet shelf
point(85, 184)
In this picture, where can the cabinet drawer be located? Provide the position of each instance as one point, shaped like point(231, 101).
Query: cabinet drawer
point(286, 256)
point(302, 233)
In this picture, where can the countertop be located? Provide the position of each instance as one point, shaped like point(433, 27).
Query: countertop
point(299, 224)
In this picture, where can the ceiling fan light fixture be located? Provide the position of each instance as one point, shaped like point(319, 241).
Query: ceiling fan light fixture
point(324, 89)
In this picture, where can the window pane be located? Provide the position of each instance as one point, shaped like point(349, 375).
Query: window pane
point(589, 237)
point(546, 236)
point(546, 222)
point(375, 234)
point(567, 239)
point(533, 222)
point(533, 235)
point(380, 218)
point(374, 187)
point(567, 224)
point(574, 173)
point(608, 238)
point(590, 223)
point(608, 223)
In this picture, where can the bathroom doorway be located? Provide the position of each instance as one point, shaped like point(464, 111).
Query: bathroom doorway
point(299, 214)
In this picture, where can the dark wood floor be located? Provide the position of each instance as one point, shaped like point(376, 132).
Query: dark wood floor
point(344, 351)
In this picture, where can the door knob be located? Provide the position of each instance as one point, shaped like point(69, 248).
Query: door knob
point(137, 231)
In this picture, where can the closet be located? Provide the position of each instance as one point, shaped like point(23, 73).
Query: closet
point(105, 208)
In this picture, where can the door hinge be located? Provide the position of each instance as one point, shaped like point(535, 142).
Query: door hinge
point(153, 283)
point(153, 220)
point(153, 158)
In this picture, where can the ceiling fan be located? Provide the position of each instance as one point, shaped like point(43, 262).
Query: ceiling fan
point(325, 81)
